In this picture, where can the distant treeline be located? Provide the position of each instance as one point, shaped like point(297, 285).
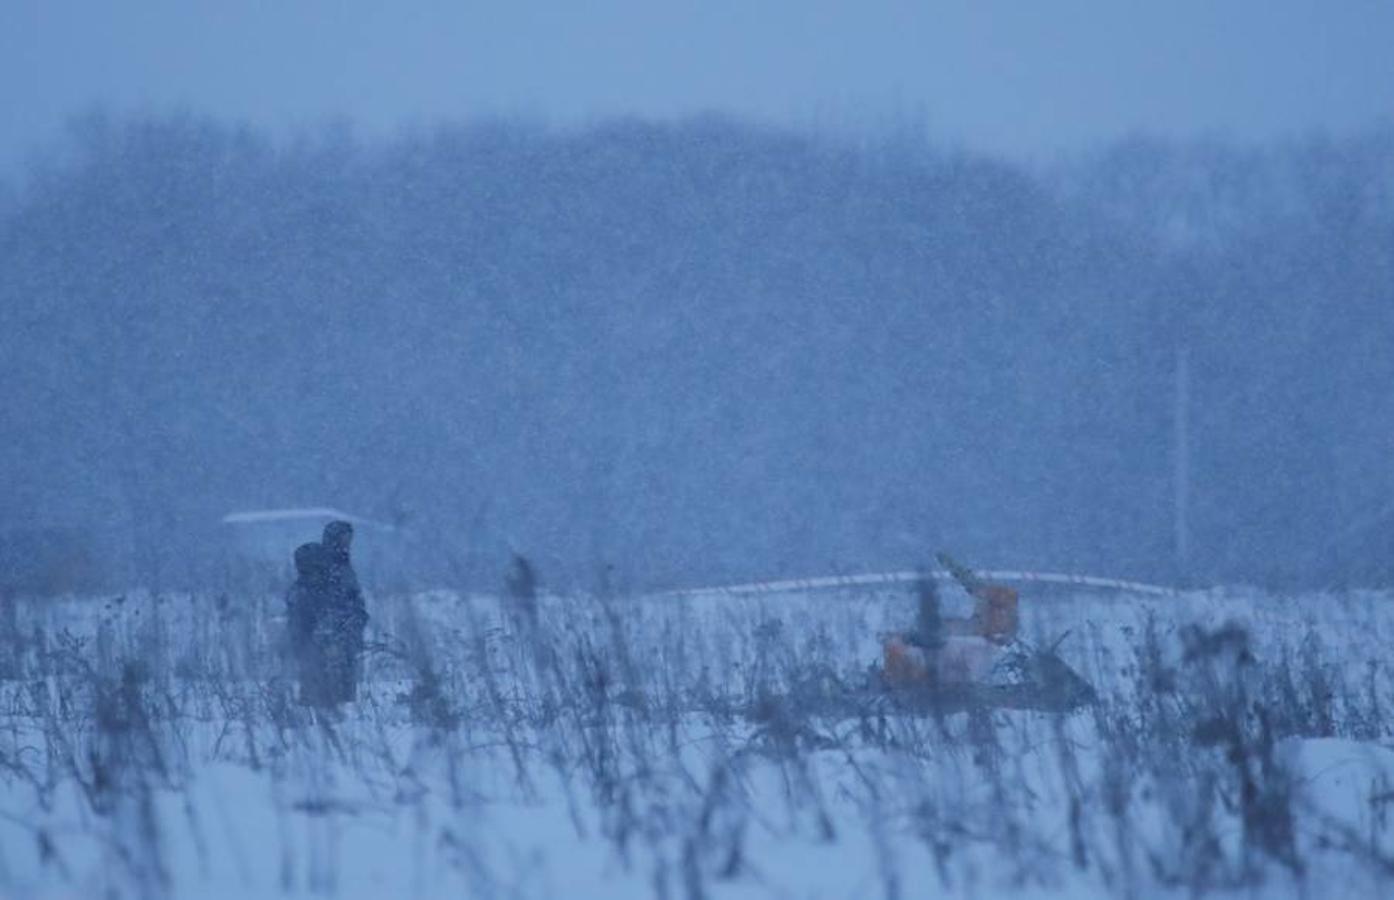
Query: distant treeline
point(682, 353)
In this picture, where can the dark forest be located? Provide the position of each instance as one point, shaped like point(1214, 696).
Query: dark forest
point(681, 353)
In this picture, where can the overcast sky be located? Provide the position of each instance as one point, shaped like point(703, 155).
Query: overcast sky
point(1027, 78)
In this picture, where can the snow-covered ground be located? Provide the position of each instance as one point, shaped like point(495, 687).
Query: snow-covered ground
point(152, 746)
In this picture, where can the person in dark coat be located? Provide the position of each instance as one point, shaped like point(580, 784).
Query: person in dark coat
point(305, 604)
point(326, 618)
point(311, 570)
point(340, 629)
point(929, 620)
point(338, 536)
point(520, 586)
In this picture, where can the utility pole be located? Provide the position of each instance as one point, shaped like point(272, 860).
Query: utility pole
point(1181, 450)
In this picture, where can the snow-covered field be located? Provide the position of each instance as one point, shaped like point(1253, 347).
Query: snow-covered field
point(637, 747)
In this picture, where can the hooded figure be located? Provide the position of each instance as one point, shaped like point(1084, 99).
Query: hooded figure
point(325, 618)
point(929, 621)
point(520, 585)
point(337, 537)
point(306, 595)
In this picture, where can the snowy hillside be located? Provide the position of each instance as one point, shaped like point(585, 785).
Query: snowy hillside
point(638, 747)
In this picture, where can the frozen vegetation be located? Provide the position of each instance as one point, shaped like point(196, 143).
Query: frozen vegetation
point(647, 746)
